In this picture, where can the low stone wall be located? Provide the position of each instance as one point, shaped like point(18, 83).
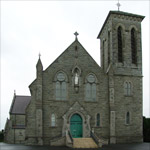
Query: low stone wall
point(58, 142)
point(129, 139)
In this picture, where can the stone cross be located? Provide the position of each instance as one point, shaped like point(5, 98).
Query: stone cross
point(76, 34)
point(39, 55)
point(118, 5)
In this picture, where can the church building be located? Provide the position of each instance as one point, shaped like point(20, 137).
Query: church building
point(75, 98)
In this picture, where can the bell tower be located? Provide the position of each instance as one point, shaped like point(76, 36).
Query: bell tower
point(120, 40)
point(121, 60)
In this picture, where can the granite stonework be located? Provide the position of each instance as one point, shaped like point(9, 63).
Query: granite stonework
point(15, 129)
point(15, 125)
point(111, 102)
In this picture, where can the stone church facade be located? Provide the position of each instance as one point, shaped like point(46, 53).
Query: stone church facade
point(75, 97)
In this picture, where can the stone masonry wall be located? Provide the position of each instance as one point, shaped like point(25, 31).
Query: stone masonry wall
point(87, 65)
point(110, 114)
point(133, 104)
point(122, 72)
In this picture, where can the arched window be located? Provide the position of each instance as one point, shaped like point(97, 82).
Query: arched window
point(127, 118)
point(61, 86)
point(98, 120)
point(133, 46)
point(53, 120)
point(119, 32)
point(127, 88)
point(108, 47)
point(90, 88)
point(103, 54)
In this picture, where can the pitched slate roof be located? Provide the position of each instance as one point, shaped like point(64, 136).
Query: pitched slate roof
point(19, 104)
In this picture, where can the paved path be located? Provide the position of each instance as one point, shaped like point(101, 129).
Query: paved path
point(141, 146)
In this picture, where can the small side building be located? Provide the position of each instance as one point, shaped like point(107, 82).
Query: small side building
point(15, 126)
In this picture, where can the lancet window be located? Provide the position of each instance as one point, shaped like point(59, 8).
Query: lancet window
point(127, 88)
point(120, 44)
point(108, 47)
point(127, 118)
point(133, 46)
point(61, 86)
point(91, 88)
point(53, 120)
point(98, 120)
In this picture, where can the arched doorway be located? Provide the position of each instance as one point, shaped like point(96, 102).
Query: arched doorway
point(76, 126)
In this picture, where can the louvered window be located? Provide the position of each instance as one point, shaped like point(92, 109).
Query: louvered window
point(108, 47)
point(120, 57)
point(133, 46)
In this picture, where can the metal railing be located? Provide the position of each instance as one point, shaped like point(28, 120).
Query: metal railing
point(94, 137)
point(70, 136)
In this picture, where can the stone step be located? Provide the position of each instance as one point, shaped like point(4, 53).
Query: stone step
point(84, 143)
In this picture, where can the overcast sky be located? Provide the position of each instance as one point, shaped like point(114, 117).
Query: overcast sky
point(30, 27)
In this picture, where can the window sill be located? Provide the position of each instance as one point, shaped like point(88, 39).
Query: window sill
point(128, 95)
point(90, 101)
point(98, 127)
point(134, 66)
point(53, 126)
point(59, 100)
point(124, 65)
point(127, 124)
point(119, 64)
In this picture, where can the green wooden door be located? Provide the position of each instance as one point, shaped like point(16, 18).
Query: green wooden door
point(76, 126)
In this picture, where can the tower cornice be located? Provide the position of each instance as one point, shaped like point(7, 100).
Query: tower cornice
point(123, 15)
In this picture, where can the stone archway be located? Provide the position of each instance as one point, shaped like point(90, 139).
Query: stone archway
point(76, 109)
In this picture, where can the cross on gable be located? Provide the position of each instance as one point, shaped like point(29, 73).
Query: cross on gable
point(118, 5)
point(76, 34)
point(39, 55)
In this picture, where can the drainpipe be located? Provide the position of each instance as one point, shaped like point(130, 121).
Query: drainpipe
point(14, 130)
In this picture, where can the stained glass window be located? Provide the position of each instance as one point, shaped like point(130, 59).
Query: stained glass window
point(61, 87)
point(53, 120)
point(91, 88)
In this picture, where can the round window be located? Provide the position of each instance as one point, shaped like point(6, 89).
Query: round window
point(61, 76)
point(91, 78)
